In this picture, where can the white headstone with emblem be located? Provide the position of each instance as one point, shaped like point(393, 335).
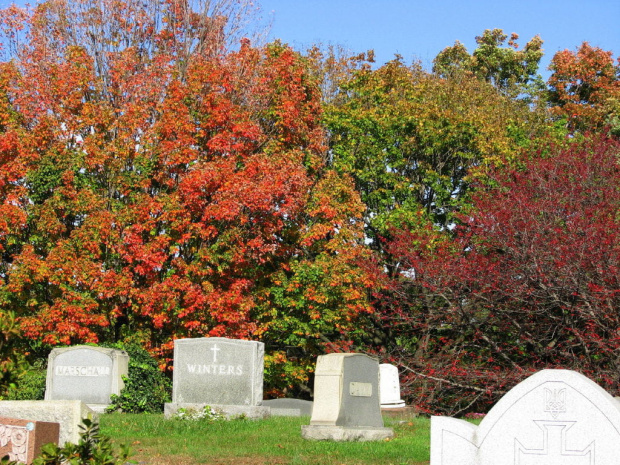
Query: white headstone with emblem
point(554, 417)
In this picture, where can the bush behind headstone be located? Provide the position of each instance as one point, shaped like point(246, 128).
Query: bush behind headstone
point(31, 385)
point(146, 387)
point(12, 360)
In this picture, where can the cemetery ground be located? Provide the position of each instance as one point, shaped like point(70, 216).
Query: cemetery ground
point(272, 441)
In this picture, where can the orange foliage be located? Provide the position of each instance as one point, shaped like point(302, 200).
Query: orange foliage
point(154, 193)
point(585, 87)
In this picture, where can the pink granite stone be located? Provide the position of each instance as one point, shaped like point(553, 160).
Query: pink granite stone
point(22, 440)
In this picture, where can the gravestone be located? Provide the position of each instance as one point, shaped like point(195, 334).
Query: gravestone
point(389, 387)
point(554, 417)
point(288, 407)
point(225, 374)
point(86, 373)
point(346, 400)
point(67, 413)
point(21, 440)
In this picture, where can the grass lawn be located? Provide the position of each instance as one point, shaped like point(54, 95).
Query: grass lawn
point(274, 441)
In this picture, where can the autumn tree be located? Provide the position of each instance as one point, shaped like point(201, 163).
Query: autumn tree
point(332, 66)
point(171, 189)
point(530, 280)
point(13, 199)
point(413, 142)
point(584, 88)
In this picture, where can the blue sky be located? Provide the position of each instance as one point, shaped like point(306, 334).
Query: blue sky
point(419, 29)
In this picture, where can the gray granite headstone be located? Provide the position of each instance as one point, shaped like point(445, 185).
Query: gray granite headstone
point(226, 374)
point(86, 373)
point(346, 400)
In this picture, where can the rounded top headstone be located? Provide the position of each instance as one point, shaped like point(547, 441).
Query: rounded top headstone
point(389, 387)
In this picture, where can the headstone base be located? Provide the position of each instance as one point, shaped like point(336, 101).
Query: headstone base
point(253, 412)
point(98, 408)
point(404, 413)
point(400, 404)
point(345, 433)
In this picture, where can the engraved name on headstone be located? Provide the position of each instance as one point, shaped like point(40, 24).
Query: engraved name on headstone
point(554, 417)
point(218, 370)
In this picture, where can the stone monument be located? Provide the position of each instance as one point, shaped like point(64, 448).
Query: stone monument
point(346, 400)
point(225, 374)
point(86, 373)
point(554, 417)
point(390, 387)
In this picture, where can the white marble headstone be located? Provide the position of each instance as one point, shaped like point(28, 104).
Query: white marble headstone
point(389, 387)
point(554, 417)
point(86, 373)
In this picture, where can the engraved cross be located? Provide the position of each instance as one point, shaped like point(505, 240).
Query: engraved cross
point(554, 450)
point(215, 351)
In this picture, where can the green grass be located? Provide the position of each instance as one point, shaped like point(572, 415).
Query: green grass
point(273, 441)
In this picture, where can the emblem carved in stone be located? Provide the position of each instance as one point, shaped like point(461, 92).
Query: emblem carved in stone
point(554, 450)
point(555, 402)
point(17, 436)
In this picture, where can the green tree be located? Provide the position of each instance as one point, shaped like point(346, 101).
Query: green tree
point(509, 69)
point(412, 140)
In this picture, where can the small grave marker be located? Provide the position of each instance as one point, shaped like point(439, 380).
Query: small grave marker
point(346, 400)
point(390, 387)
point(21, 440)
point(286, 407)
